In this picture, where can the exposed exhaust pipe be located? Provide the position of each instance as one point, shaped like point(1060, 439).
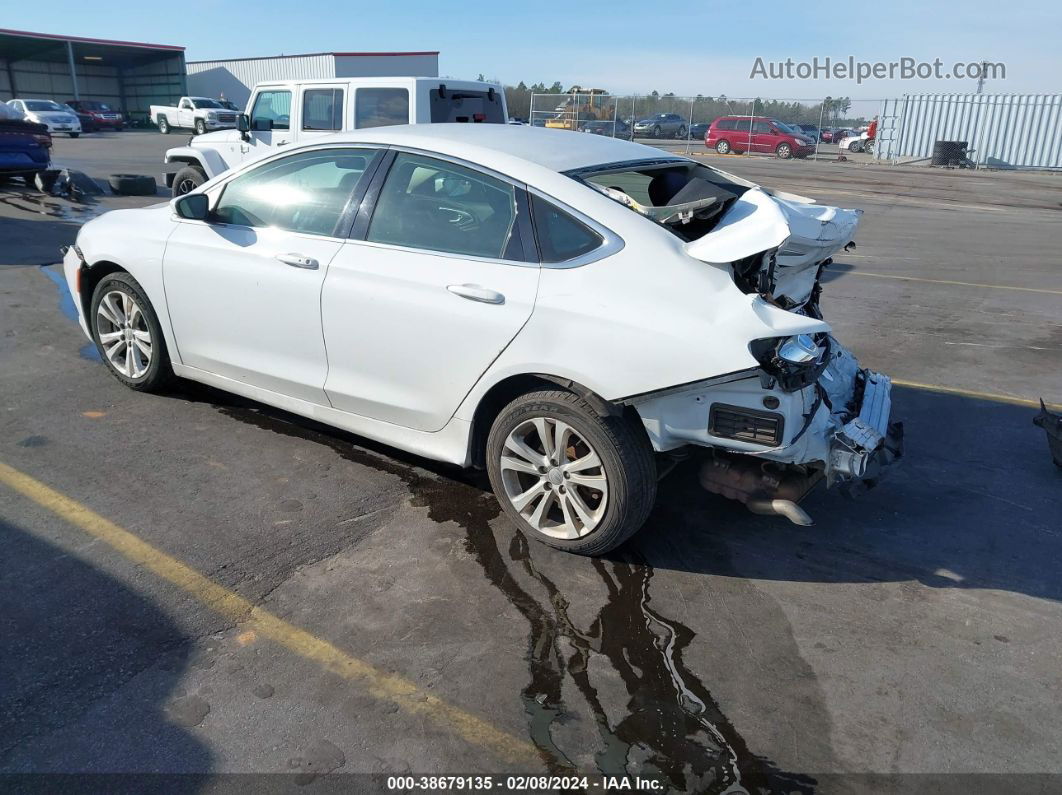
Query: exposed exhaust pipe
point(787, 508)
point(764, 487)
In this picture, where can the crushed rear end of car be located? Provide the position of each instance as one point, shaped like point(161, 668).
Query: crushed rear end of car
point(807, 411)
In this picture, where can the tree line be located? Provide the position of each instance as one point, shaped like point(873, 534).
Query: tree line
point(833, 111)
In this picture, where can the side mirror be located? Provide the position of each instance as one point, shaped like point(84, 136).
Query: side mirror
point(243, 122)
point(193, 206)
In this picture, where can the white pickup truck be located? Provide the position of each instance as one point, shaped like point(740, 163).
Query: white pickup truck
point(201, 114)
point(284, 112)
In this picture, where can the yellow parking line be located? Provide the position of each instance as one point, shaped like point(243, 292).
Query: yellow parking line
point(381, 684)
point(993, 396)
point(960, 284)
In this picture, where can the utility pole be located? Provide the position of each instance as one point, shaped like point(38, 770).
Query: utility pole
point(981, 77)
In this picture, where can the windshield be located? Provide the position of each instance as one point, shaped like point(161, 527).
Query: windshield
point(781, 125)
point(201, 103)
point(43, 105)
point(92, 105)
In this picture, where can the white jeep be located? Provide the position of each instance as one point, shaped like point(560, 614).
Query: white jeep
point(295, 111)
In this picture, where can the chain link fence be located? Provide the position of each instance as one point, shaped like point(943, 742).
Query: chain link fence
point(1007, 131)
point(823, 127)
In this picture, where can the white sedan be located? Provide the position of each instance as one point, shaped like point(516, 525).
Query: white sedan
point(572, 312)
point(58, 118)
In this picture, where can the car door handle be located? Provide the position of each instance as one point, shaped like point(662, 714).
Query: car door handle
point(473, 292)
point(298, 261)
point(283, 143)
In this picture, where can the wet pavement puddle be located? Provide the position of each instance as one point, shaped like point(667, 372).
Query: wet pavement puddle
point(670, 727)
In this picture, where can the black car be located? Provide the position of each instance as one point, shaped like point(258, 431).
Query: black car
point(613, 129)
point(810, 130)
point(699, 130)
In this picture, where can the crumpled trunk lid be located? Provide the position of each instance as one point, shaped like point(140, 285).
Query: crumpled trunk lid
point(776, 243)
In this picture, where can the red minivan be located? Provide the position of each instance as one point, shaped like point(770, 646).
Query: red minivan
point(740, 134)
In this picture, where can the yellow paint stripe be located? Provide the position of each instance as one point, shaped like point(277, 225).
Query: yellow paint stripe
point(960, 284)
point(383, 685)
point(970, 393)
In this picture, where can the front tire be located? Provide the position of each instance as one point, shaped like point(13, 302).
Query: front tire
point(200, 127)
point(784, 151)
point(570, 477)
point(682, 132)
point(74, 135)
point(127, 334)
point(187, 180)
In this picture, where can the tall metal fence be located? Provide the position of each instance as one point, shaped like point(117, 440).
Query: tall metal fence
point(992, 130)
point(1014, 131)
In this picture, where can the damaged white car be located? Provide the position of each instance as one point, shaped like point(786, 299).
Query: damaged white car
point(571, 312)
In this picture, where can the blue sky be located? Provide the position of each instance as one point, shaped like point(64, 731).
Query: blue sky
point(688, 48)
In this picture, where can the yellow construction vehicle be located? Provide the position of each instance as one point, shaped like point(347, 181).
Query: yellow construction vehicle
point(580, 106)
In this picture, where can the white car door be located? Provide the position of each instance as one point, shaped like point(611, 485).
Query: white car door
point(243, 289)
point(322, 111)
point(270, 119)
point(417, 310)
point(185, 113)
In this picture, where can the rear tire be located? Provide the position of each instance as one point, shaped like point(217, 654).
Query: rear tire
point(119, 293)
point(74, 135)
point(164, 125)
point(624, 466)
point(682, 132)
point(187, 180)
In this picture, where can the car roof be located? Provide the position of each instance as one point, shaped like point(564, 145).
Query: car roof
point(505, 146)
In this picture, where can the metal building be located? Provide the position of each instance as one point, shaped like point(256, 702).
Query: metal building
point(233, 79)
point(1019, 131)
point(126, 74)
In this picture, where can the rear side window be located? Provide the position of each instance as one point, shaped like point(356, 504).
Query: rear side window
point(725, 124)
point(322, 109)
point(271, 111)
point(560, 236)
point(379, 107)
point(441, 206)
point(448, 105)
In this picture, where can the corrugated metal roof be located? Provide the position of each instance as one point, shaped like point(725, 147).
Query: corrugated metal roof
point(1002, 130)
point(315, 54)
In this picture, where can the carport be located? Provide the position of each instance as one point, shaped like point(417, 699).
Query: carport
point(127, 74)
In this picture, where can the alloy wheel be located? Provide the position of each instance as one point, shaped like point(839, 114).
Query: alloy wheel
point(123, 333)
point(554, 479)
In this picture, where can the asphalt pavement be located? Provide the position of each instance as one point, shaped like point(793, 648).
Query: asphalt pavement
point(195, 583)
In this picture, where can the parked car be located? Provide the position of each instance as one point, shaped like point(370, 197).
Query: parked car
point(25, 146)
point(660, 125)
point(852, 141)
point(614, 129)
point(808, 130)
point(200, 114)
point(741, 134)
point(95, 115)
point(698, 131)
point(322, 107)
point(229, 105)
point(49, 113)
point(458, 329)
